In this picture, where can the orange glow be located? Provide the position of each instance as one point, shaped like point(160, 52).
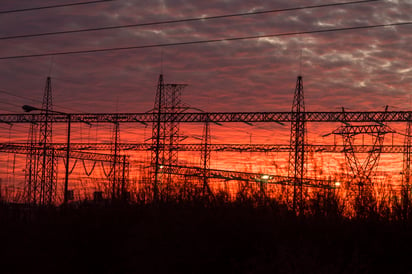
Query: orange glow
point(320, 165)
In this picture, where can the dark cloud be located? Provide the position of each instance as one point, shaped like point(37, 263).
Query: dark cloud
point(249, 75)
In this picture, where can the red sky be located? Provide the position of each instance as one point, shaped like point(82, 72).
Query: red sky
point(360, 69)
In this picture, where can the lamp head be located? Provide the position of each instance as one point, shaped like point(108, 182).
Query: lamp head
point(28, 108)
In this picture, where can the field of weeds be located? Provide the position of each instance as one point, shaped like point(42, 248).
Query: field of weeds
point(224, 237)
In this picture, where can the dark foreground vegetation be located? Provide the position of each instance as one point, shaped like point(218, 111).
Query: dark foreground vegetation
point(191, 237)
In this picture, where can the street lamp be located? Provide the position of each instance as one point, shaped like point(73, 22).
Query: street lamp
point(265, 177)
point(28, 108)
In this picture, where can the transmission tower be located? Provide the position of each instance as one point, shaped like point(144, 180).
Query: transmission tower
point(173, 105)
point(42, 172)
point(297, 144)
point(165, 134)
point(167, 115)
point(362, 171)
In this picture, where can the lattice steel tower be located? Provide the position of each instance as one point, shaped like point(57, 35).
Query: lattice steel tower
point(165, 134)
point(46, 166)
point(362, 171)
point(361, 186)
point(297, 144)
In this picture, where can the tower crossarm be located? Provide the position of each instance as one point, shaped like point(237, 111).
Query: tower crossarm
point(363, 129)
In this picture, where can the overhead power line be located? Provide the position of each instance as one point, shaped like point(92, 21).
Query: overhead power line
point(54, 6)
point(13, 93)
point(11, 104)
point(204, 41)
point(182, 20)
point(10, 93)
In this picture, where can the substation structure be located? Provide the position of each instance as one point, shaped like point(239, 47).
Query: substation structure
point(169, 112)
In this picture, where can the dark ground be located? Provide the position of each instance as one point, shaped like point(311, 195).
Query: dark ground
point(172, 238)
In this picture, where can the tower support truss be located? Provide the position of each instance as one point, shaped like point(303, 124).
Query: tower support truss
point(362, 171)
point(165, 134)
point(297, 144)
point(41, 171)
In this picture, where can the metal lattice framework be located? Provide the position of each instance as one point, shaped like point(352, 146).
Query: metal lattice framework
point(42, 189)
point(297, 145)
point(214, 117)
point(348, 132)
point(172, 105)
point(121, 161)
point(165, 134)
point(364, 198)
point(310, 148)
point(169, 112)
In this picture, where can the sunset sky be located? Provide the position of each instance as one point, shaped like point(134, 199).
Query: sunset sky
point(360, 70)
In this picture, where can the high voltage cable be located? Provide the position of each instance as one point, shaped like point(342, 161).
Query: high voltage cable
point(204, 41)
point(54, 6)
point(10, 93)
point(182, 20)
point(10, 104)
